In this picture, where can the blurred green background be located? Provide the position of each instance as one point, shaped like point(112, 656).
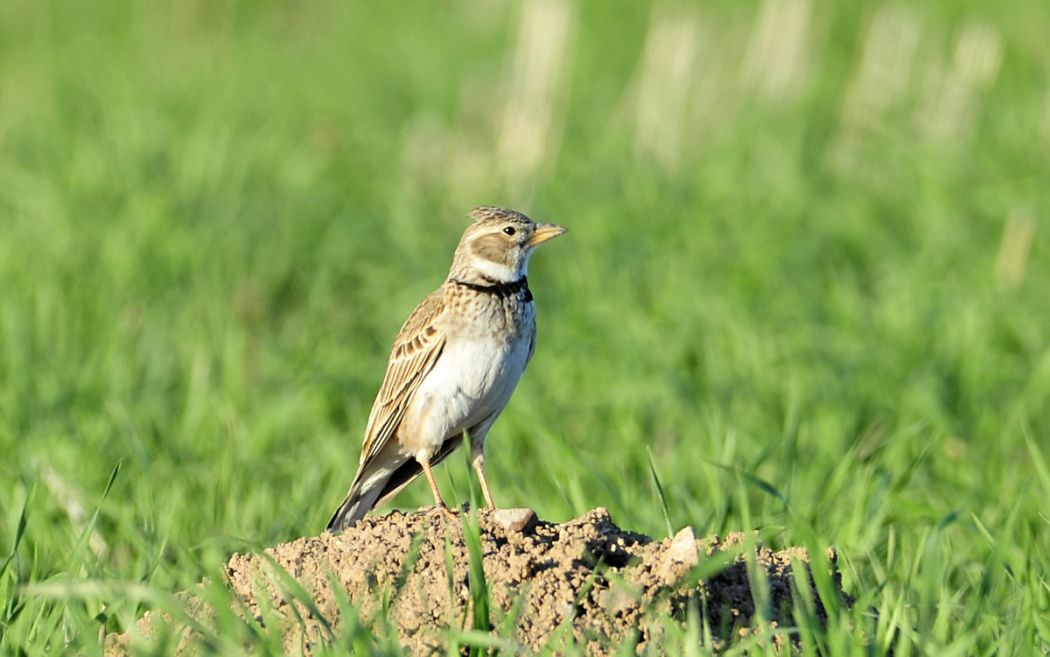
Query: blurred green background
point(806, 272)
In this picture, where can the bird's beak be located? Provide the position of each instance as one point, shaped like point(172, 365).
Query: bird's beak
point(544, 232)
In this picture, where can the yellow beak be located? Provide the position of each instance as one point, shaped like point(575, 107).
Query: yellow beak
point(545, 232)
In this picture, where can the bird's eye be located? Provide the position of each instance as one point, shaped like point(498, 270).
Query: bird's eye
point(509, 230)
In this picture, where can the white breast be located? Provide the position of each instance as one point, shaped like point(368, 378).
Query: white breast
point(473, 378)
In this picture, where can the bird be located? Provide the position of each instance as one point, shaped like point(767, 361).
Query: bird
point(454, 364)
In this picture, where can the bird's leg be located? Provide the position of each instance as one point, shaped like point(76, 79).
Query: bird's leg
point(438, 502)
point(479, 467)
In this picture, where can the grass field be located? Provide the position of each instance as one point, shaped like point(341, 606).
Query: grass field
point(807, 272)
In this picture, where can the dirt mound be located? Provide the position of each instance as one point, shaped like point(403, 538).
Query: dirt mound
point(603, 584)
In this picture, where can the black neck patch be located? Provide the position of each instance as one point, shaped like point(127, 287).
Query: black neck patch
point(501, 290)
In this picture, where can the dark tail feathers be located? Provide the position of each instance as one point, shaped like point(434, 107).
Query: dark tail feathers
point(358, 502)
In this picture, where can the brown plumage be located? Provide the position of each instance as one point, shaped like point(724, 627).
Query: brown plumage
point(453, 365)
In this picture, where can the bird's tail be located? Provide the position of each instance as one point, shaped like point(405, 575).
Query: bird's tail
point(373, 485)
point(359, 501)
point(379, 480)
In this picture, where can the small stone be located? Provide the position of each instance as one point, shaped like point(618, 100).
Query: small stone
point(680, 556)
point(619, 599)
point(514, 520)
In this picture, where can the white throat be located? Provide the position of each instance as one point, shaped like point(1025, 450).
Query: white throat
point(499, 272)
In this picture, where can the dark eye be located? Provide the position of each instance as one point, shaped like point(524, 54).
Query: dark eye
point(509, 230)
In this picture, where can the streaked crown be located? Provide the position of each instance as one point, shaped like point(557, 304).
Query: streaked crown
point(496, 247)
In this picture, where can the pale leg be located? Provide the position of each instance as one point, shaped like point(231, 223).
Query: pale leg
point(479, 467)
point(438, 502)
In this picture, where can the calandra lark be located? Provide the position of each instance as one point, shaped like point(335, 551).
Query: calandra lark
point(454, 364)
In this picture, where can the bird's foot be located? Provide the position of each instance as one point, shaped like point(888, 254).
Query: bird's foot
point(445, 510)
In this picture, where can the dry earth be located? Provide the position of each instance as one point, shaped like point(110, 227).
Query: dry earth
point(606, 585)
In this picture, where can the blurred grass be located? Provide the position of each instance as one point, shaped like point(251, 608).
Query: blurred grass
point(825, 275)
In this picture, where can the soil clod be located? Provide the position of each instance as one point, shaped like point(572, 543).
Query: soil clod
point(609, 584)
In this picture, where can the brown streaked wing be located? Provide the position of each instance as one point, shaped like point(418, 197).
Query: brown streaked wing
point(416, 349)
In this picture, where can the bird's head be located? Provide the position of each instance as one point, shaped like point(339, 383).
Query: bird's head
point(496, 247)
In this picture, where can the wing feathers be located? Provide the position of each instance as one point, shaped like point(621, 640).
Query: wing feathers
point(416, 349)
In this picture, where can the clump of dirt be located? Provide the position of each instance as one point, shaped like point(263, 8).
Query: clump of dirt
point(606, 584)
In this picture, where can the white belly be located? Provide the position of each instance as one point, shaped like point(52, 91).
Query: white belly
point(473, 378)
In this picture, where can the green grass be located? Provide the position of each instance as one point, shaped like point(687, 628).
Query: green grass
point(215, 215)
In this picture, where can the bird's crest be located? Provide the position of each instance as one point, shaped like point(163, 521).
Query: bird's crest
point(493, 213)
